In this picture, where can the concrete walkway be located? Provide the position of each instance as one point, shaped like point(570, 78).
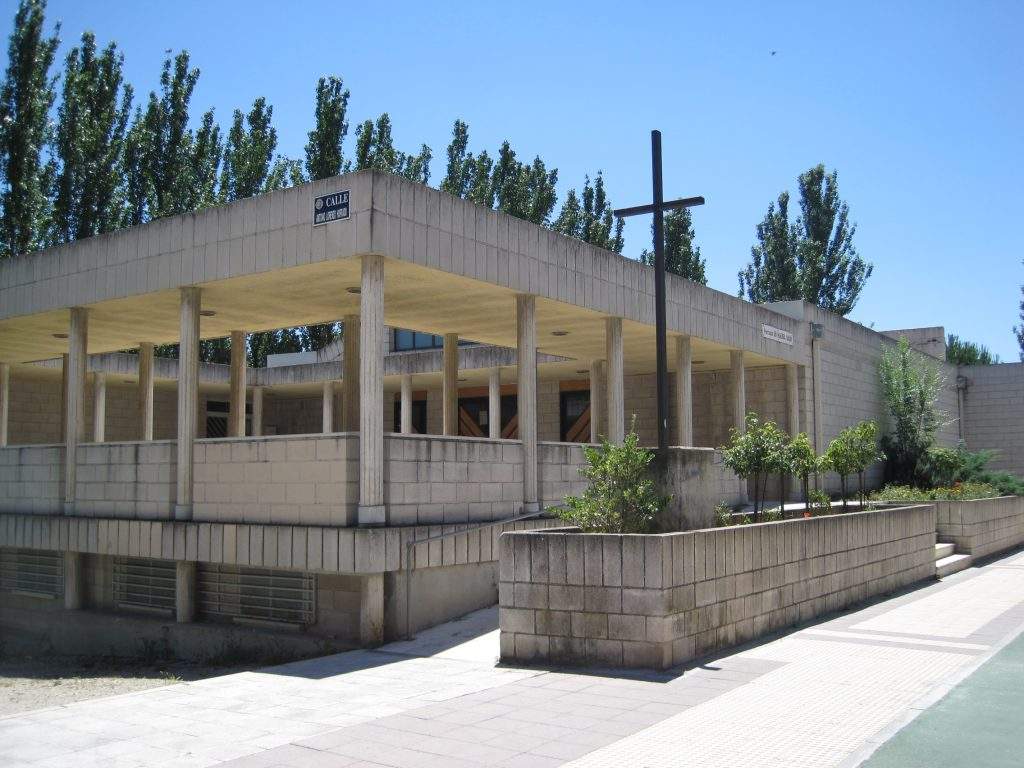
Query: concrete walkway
point(826, 695)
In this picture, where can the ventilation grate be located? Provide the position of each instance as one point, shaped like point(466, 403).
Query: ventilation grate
point(144, 584)
point(257, 595)
point(32, 572)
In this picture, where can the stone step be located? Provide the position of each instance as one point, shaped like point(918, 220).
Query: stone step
point(942, 550)
point(951, 564)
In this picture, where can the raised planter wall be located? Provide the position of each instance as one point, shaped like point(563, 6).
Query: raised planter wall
point(661, 600)
point(982, 526)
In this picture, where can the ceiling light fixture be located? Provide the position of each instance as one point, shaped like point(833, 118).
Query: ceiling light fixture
point(699, 362)
point(583, 370)
point(559, 333)
point(354, 289)
point(207, 313)
point(60, 335)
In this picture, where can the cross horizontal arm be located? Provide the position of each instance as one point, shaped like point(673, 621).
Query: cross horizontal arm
point(668, 205)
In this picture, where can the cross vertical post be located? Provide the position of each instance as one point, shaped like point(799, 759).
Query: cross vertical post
point(658, 208)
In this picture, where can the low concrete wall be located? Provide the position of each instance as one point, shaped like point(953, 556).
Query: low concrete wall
point(661, 600)
point(130, 480)
point(982, 526)
point(698, 480)
point(558, 472)
point(30, 479)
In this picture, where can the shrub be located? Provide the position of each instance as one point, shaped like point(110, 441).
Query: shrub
point(725, 518)
point(959, 492)
point(623, 496)
point(910, 388)
point(821, 504)
point(949, 466)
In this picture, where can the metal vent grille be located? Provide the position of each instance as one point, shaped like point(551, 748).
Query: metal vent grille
point(257, 595)
point(32, 572)
point(144, 584)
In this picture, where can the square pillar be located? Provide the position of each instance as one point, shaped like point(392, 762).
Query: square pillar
point(72, 580)
point(236, 414)
point(616, 383)
point(145, 391)
point(450, 385)
point(99, 406)
point(792, 400)
point(74, 408)
point(371, 510)
point(188, 397)
point(185, 591)
point(405, 406)
point(737, 391)
point(257, 411)
point(371, 610)
point(328, 407)
point(598, 400)
point(494, 404)
point(526, 335)
point(63, 395)
point(351, 342)
point(684, 391)
point(5, 401)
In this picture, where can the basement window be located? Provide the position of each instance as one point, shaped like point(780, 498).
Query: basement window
point(38, 573)
point(144, 584)
point(257, 596)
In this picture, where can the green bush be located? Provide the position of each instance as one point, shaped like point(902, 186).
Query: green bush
point(959, 492)
point(820, 503)
point(949, 466)
point(725, 518)
point(755, 454)
point(623, 496)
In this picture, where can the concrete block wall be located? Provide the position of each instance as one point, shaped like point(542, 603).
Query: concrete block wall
point(304, 480)
point(558, 472)
point(431, 479)
point(30, 479)
point(662, 600)
point(136, 479)
point(994, 413)
point(981, 527)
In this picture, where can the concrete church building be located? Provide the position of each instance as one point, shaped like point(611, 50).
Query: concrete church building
point(146, 500)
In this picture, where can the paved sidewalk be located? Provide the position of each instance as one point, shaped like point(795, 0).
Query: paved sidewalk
point(825, 695)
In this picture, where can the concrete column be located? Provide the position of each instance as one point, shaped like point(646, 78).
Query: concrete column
point(185, 591)
point(328, 407)
point(236, 415)
point(257, 411)
point(145, 391)
point(616, 383)
point(371, 610)
point(684, 390)
point(99, 406)
point(450, 385)
point(371, 392)
point(188, 397)
point(598, 400)
point(816, 407)
point(74, 409)
point(351, 342)
point(405, 407)
point(792, 400)
point(494, 404)
point(72, 580)
point(737, 391)
point(526, 334)
point(5, 401)
point(63, 394)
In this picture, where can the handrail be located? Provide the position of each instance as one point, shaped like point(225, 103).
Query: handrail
point(410, 544)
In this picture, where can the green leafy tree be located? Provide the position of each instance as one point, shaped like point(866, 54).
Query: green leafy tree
point(526, 191)
point(324, 157)
point(911, 384)
point(91, 128)
point(814, 258)
point(248, 152)
point(26, 96)
point(682, 257)
point(588, 217)
point(802, 462)
point(962, 352)
point(375, 149)
point(755, 454)
point(622, 496)
point(1018, 330)
point(461, 169)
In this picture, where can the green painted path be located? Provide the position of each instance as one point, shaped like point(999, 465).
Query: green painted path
point(980, 723)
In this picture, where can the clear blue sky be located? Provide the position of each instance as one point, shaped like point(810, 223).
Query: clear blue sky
point(918, 106)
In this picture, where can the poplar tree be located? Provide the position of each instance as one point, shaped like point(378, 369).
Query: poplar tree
point(590, 219)
point(682, 257)
point(26, 96)
point(813, 258)
point(1018, 330)
point(324, 157)
point(526, 191)
point(375, 149)
point(90, 139)
point(248, 152)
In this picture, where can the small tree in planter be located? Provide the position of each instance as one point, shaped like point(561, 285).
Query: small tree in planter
point(623, 496)
point(803, 463)
point(865, 448)
point(852, 452)
point(755, 454)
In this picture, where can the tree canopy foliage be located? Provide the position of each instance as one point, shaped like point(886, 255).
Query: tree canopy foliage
point(963, 352)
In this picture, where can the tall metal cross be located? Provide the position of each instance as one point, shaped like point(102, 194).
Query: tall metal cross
point(658, 208)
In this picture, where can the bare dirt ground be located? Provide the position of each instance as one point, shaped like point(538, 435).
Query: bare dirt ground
point(28, 683)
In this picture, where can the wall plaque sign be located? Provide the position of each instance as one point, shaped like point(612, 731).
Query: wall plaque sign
point(776, 334)
point(330, 207)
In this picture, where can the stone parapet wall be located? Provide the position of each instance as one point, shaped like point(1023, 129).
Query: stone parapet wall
point(558, 472)
point(129, 480)
point(30, 479)
point(993, 415)
point(661, 600)
point(981, 527)
point(305, 548)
